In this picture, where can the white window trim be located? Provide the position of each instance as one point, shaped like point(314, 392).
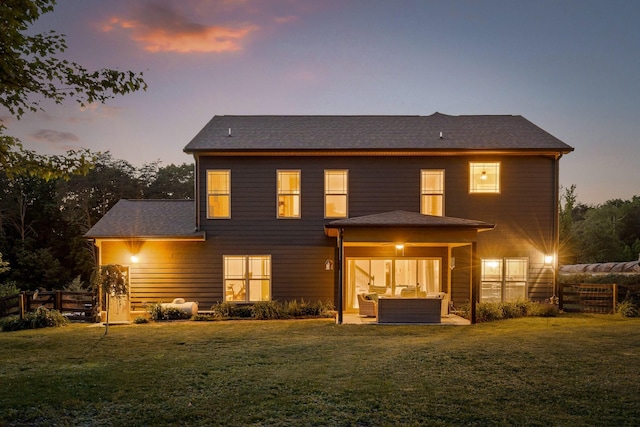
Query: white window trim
point(247, 277)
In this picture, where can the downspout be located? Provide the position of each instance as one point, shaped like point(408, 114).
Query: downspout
point(339, 268)
point(196, 194)
point(556, 226)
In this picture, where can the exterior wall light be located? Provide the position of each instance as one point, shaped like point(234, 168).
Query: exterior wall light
point(548, 259)
point(134, 258)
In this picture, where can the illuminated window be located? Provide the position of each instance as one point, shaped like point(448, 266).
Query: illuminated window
point(504, 280)
point(218, 194)
point(484, 177)
point(432, 192)
point(247, 278)
point(288, 194)
point(335, 193)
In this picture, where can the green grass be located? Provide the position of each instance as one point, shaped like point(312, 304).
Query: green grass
point(577, 370)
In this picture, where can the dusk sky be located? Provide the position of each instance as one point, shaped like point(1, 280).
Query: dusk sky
point(570, 67)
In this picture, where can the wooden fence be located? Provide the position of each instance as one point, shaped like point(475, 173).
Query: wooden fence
point(588, 298)
point(74, 305)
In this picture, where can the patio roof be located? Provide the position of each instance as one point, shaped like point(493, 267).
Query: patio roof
point(405, 219)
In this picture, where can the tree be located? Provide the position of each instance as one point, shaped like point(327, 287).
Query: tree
point(112, 281)
point(31, 72)
point(168, 182)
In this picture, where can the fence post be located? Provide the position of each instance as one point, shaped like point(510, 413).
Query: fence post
point(615, 297)
point(21, 304)
point(560, 296)
point(58, 303)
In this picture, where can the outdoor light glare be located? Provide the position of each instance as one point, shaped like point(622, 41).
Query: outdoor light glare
point(548, 259)
point(134, 258)
point(399, 246)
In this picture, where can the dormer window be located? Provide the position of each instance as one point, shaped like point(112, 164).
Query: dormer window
point(484, 177)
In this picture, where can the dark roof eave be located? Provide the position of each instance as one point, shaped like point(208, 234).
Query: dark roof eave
point(195, 237)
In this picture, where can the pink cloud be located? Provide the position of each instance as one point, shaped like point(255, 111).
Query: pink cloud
point(160, 29)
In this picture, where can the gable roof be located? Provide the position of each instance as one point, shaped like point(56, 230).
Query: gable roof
point(459, 133)
point(408, 219)
point(148, 219)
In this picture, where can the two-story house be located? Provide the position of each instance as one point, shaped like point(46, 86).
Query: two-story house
point(327, 207)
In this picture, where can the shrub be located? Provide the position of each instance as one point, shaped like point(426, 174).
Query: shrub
point(8, 289)
point(543, 309)
point(227, 310)
point(265, 310)
point(627, 309)
point(40, 318)
point(202, 318)
point(140, 319)
point(158, 313)
point(487, 312)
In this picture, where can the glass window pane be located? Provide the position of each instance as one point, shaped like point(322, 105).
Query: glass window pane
point(433, 181)
point(484, 177)
point(432, 205)
point(492, 270)
point(336, 207)
point(219, 194)
point(515, 291)
point(490, 292)
point(259, 290)
point(516, 269)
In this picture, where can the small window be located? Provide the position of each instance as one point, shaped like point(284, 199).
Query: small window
point(288, 194)
point(247, 278)
point(432, 192)
point(335, 193)
point(484, 177)
point(218, 194)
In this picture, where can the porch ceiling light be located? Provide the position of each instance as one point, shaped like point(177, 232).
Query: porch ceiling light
point(399, 246)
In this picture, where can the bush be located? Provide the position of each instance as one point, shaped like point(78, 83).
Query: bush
point(228, 310)
point(627, 309)
point(543, 309)
point(140, 319)
point(40, 318)
point(487, 312)
point(159, 313)
point(272, 310)
point(267, 310)
point(8, 289)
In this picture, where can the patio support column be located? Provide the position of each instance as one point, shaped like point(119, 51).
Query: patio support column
point(475, 280)
point(339, 268)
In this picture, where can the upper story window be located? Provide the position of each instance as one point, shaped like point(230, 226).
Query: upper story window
point(218, 194)
point(432, 192)
point(484, 177)
point(335, 193)
point(288, 193)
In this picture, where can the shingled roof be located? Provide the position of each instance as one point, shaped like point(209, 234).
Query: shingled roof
point(459, 133)
point(148, 219)
point(408, 219)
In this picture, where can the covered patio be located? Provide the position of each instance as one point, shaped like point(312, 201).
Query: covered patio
point(402, 260)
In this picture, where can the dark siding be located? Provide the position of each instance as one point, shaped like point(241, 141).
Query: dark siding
point(523, 211)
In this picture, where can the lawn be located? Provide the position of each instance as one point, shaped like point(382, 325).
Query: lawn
point(570, 370)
